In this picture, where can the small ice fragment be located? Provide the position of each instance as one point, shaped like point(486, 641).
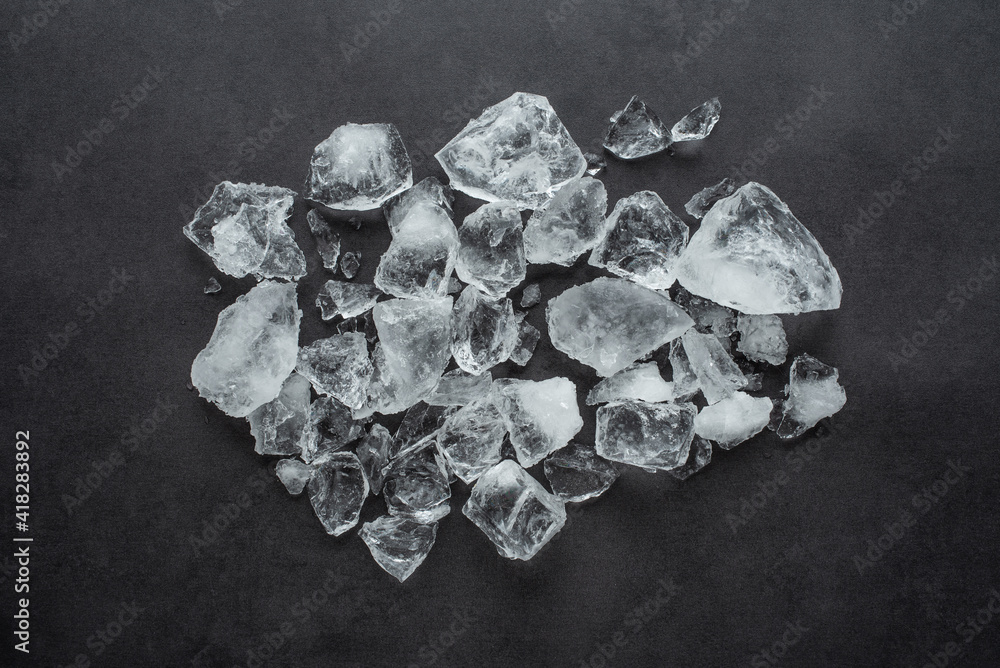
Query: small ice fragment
point(416, 485)
point(527, 338)
point(331, 427)
point(359, 167)
point(350, 263)
point(576, 473)
point(337, 490)
point(531, 295)
point(541, 416)
point(762, 338)
point(733, 420)
point(346, 299)
point(471, 438)
point(636, 131)
point(373, 453)
point(718, 375)
point(355, 222)
point(293, 474)
point(641, 382)
point(327, 241)
point(698, 123)
point(703, 200)
point(279, 425)
point(420, 424)
point(398, 544)
point(213, 286)
point(421, 256)
point(459, 387)
point(454, 285)
point(428, 193)
point(338, 366)
point(652, 436)
point(595, 163)
point(684, 379)
point(814, 393)
point(569, 225)
point(483, 329)
point(698, 458)
point(416, 339)
point(491, 250)
point(709, 317)
point(514, 511)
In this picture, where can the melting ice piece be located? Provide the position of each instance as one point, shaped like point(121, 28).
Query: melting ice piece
point(330, 428)
point(541, 416)
point(252, 350)
point(753, 255)
point(595, 163)
point(213, 286)
point(420, 424)
point(569, 225)
point(644, 242)
point(514, 511)
point(471, 439)
point(610, 323)
point(718, 375)
point(416, 340)
point(338, 366)
point(421, 257)
point(293, 474)
point(655, 437)
point(491, 250)
point(327, 241)
point(698, 458)
point(576, 473)
point(459, 387)
point(346, 299)
point(527, 338)
point(429, 193)
point(279, 425)
point(337, 490)
point(242, 228)
point(416, 485)
point(762, 338)
point(517, 150)
point(636, 131)
point(685, 380)
point(641, 382)
point(698, 123)
point(398, 544)
point(483, 331)
point(359, 167)
point(531, 295)
point(373, 453)
point(350, 264)
point(733, 420)
point(703, 200)
point(813, 394)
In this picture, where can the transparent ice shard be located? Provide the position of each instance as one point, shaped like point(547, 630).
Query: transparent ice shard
point(359, 167)
point(514, 511)
point(350, 264)
point(570, 224)
point(471, 439)
point(733, 420)
point(388, 393)
point(346, 299)
point(429, 193)
point(331, 428)
point(531, 295)
point(595, 163)
point(656, 437)
point(293, 474)
point(698, 458)
point(338, 366)
point(398, 544)
point(703, 200)
point(213, 286)
point(576, 473)
point(252, 350)
point(527, 338)
point(709, 317)
point(685, 380)
point(610, 323)
point(373, 453)
point(814, 393)
point(517, 150)
point(421, 256)
point(327, 241)
point(484, 331)
point(416, 339)
point(337, 490)
point(718, 375)
point(416, 485)
point(698, 123)
point(541, 416)
point(459, 387)
point(641, 382)
point(421, 423)
point(279, 425)
point(491, 250)
point(762, 338)
point(636, 131)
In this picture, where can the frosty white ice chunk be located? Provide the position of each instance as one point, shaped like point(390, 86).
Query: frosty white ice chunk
point(641, 382)
point(685, 381)
point(733, 420)
point(699, 457)
point(644, 242)
point(213, 286)
point(359, 167)
point(514, 511)
point(753, 255)
point(337, 490)
point(338, 366)
point(416, 339)
point(569, 225)
point(610, 323)
point(421, 256)
point(703, 200)
point(346, 299)
point(416, 485)
point(762, 338)
point(636, 131)
point(576, 473)
point(293, 474)
point(718, 375)
point(527, 338)
point(429, 193)
point(373, 453)
point(420, 424)
point(398, 544)
point(350, 264)
point(541, 416)
point(698, 123)
point(653, 436)
point(252, 350)
point(517, 150)
point(471, 439)
point(491, 250)
point(242, 228)
point(327, 241)
point(279, 425)
point(483, 330)
point(531, 295)
point(331, 427)
point(459, 387)
point(814, 393)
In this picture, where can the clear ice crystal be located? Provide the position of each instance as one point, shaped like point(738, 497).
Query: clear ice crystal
point(398, 544)
point(346, 299)
point(331, 427)
point(421, 256)
point(655, 437)
point(698, 458)
point(359, 167)
point(293, 474)
point(416, 485)
point(636, 131)
point(814, 393)
point(484, 331)
point(644, 242)
point(685, 380)
point(252, 350)
point(327, 241)
point(709, 317)
point(459, 387)
point(491, 250)
point(350, 264)
point(429, 193)
point(388, 393)
point(337, 490)
point(338, 366)
point(373, 453)
point(541, 416)
point(517, 150)
point(421, 423)
point(213, 286)
point(718, 375)
point(698, 123)
point(703, 200)
point(514, 511)
point(279, 425)
point(570, 224)
point(415, 336)
point(609, 323)
point(753, 255)
point(733, 420)
point(762, 338)
point(576, 473)
point(471, 439)
point(531, 295)
point(641, 382)
point(595, 163)
point(527, 338)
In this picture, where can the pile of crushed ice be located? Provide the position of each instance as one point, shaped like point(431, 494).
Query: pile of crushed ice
point(714, 334)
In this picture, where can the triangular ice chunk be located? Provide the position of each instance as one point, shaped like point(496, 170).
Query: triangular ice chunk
point(698, 123)
point(636, 131)
point(338, 366)
point(398, 544)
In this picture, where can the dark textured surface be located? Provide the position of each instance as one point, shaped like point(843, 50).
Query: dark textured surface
point(885, 94)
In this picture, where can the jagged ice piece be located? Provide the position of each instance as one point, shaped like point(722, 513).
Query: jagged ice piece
point(279, 425)
point(330, 428)
point(527, 338)
point(421, 256)
point(698, 123)
point(491, 248)
point(346, 299)
point(570, 224)
point(652, 436)
point(398, 544)
point(337, 490)
point(459, 387)
point(814, 393)
point(213, 286)
point(350, 264)
point(636, 131)
point(293, 474)
point(327, 241)
point(471, 439)
point(762, 338)
point(718, 375)
point(338, 366)
point(484, 331)
point(429, 193)
point(576, 473)
point(416, 485)
point(703, 200)
point(531, 295)
point(541, 416)
point(416, 340)
point(641, 382)
point(698, 458)
point(733, 420)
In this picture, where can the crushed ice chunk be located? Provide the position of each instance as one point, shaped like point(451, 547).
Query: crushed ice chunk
point(458, 387)
point(641, 382)
point(541, 416)
point(338, 366)
point(252, 350)
point(416, 339)
point(398, 544)
point(609, 323)
point(387, 392)
point(293, 474)
point(471, 439)
point(327, 241)
point(703, 200)
point(655, 437)
point(359, 167)
point(636, 131)
point(346, 299)
point(733, 420)
point(718, 375)
point(337, 490)
point(373, 453)
point(569, 225)
point(698, 123)
point(753, 255)
point(814, 393)
point(420, 424)
point(517, 150)
point(709, 317)
point(527, 338)
point(483, 330)
point(644, 242)
point(595, 163)
point(429, 193)
point(279, 425)
point(213, 286)
point(330, 428)
point(416, 485)
point(421, 256)
point(699, 457)
point(684, 379)
point(762, 338)
point(514, 511)
point(491, 250)
point(576, 473)
point(531, 295)
point(350, 264)
point(242, 228)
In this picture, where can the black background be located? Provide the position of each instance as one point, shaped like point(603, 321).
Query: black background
point(427, 68)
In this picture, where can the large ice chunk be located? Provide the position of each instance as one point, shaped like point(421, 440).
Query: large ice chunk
point(641, 382)
point(416, 485)
point(491, 250)
point(346, 299)
point(338, 366)
point(398, 544)
point(610, 323)
point(698, 123)
point(762, 338)
point(471, 439)
point(652, 436)
point(337, 490)
point(814, 393)
point(279, 425)
point(421, 256)
point(569, 225)
point(359, 167)
point(718, 375)
point(484, 331)
point(252, 350)
point(636, 131)
point(416, 339)
point(576, 473)
point(733, 420)
point(517, 150)
point(541, 416)
point(753, 255)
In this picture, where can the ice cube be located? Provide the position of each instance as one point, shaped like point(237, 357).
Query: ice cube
point(416, 340)
point(814, 393)
point(484, 331)
point(416, 485)
point(330, 428)
point(338, 366)
point(527, 338)
point(429, 193)
point(421, 256)
point(636, 131)
point(531, 295)
point(350, 264)
point(471, 438)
